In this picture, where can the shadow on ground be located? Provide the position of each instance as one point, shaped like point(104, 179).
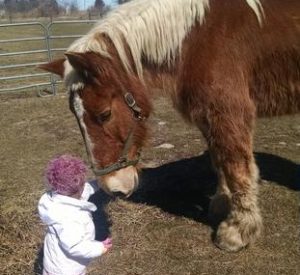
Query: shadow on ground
point(100, 217)
point(279, 170)
point(184, 187)
point(38, 263)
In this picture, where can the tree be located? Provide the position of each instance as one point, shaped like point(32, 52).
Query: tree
point(99, 5)
point(48, 8)
point(9, 5)
point(33, 4)
point(122, 1)
point(74, 7)
point(27, 5)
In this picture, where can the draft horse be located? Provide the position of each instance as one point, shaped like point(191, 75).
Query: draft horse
point(223, 63)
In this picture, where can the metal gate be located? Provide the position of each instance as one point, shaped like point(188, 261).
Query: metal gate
point(24, 71)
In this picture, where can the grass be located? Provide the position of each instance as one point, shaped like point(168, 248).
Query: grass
point(163, 228)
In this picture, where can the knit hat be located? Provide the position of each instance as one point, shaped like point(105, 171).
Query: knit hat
point(65, 174)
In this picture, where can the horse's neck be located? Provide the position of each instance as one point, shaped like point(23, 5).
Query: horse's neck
point(159, 80)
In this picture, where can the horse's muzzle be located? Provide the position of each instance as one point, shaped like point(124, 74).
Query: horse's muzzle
point(121, 183)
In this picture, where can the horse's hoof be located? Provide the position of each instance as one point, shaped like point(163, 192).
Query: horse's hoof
point(229, 238)
point(238, 231)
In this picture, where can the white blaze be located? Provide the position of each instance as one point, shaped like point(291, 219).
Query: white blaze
point(79, 110)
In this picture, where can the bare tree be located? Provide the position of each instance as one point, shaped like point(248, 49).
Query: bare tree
point(48, 8)
point(99, 8)
point(74, 6)
point(9, 6)
point(99, 4)
point(20, 5)
point(122, 1)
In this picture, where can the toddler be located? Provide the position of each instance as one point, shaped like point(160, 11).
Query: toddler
point(70, 239)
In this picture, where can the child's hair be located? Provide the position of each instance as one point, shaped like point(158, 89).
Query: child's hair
point(65, 174)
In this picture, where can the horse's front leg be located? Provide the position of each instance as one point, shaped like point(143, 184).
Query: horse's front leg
point(243, 223)
point(228, 130)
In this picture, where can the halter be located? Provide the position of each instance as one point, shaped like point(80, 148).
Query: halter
point(123, 159)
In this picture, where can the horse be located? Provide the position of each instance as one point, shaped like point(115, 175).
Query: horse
point(223, 64)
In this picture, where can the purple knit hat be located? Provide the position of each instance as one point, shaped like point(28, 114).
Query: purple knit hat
point(66, 174)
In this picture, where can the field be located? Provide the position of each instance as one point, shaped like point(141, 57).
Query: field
point(163, 228)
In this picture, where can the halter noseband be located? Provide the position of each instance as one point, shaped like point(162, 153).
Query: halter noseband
point(123, 159)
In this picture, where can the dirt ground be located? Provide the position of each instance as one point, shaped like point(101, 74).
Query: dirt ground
point(163, 228)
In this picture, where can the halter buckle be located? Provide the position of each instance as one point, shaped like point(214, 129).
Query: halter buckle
point(129, 100)
point(122, 160)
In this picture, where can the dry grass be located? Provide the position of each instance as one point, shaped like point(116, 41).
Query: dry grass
point(163, 228)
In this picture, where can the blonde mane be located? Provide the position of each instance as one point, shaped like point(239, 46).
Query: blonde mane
point(152, 29)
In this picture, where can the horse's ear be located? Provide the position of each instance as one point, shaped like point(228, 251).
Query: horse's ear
point(79, 61)
point(56, 67)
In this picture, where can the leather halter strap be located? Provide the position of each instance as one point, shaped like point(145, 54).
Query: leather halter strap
point(123, 159)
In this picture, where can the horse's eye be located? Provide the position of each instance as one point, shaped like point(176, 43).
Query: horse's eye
point(103, 117)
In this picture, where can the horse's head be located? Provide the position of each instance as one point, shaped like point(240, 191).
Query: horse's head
point(110, 107)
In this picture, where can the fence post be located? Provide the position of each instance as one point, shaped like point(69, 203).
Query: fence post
point(52, 79)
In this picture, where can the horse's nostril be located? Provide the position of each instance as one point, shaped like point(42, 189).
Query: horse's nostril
point(118, 194)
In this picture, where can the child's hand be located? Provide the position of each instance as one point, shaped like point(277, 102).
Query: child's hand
point(107, 243)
